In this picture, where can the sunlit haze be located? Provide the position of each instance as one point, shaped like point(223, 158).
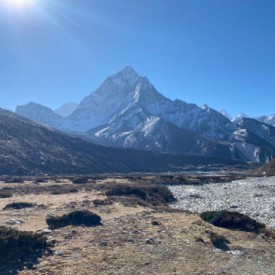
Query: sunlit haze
point(20, 3)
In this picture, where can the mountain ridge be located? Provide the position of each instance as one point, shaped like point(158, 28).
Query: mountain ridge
point(42, 150)
point(122, 105)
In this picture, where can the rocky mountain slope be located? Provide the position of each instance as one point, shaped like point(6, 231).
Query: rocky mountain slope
point(156, 134)
point(66, 109)
point(128, 111)
point(30, 148)
point(267, 169)
point(268, 119)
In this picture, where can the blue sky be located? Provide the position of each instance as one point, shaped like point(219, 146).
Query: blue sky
point(218, 52)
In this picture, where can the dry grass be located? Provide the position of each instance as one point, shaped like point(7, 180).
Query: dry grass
point(133, 239)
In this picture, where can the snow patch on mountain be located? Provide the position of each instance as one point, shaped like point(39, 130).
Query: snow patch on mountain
point(250, 151)
point(270, 119)
point(240, 134)
point(226, 114)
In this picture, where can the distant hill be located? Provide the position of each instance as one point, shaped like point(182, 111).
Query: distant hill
point(28, 148)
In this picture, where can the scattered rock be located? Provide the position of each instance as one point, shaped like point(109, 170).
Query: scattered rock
point(199, 240)
point(234, 252)
point(47, 231)
point(104, 243)
point(150, 241)
point(14, 222)
point(135, 231)
point(154, 222)
point(230, 195)
point(59, 252)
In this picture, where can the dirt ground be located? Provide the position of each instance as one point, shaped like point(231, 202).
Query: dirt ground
point(132, 239)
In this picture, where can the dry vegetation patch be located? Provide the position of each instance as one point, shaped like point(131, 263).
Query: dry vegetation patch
point(75, 218)
point(151, 194)
point(19, 205)
point(5, 194)
point(19, 249)
point(139, 233)
point(233, 220)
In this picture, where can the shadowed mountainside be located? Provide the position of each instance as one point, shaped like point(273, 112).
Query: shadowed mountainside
point(28, 148)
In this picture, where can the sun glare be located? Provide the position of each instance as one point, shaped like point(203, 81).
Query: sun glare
point(20, 3)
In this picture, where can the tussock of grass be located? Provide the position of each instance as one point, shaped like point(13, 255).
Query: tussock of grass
point(40, 180)
point(152, 194)
point(19, 205)
point(219, 241)
point(76, 218)
point(105, 202)
point(19, 249)
point(5, 194)
point(233, 220)
point(80, 180)
point(14, 180)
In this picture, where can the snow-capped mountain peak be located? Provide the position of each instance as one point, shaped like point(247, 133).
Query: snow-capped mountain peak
point(128, 73)
point(126, 77)
point(127, 110)
point(226, 114)
point(239, 117)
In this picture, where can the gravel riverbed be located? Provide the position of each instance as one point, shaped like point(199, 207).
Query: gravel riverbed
point(254, 197)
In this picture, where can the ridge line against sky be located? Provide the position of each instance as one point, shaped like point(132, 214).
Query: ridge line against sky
point(219, 53)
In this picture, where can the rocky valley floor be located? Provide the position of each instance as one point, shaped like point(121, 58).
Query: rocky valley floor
point(252, 196)
point(135, 237)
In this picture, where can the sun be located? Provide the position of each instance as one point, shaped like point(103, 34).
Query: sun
point(20, 3)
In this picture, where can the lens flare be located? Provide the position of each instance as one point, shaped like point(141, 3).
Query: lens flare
point(20, 3)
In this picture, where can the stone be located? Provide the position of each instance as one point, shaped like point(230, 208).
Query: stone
point(150, 241)
point(104, 243)
point(154, 222)
point(59, 253)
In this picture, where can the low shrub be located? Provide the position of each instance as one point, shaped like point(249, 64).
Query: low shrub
point(6, 188)
point(233, 220)
point(19, 249)
point(76, 218)
point(19, 205)
point(153, 194)
point(40, 180)
point(5, 194)
point(219, 241)
point(14, 180)
point(72, 190)
point(80, 180)
point(125, 190)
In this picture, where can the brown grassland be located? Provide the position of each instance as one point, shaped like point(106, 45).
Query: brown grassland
point(136, 235)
